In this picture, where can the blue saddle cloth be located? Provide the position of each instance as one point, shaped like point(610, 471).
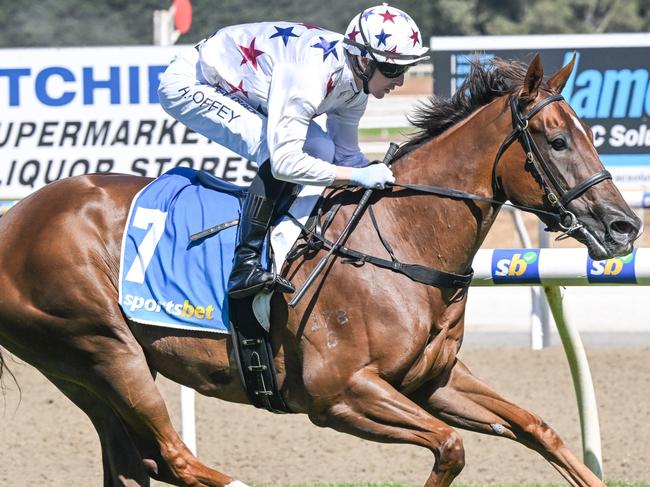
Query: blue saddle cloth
point(166, 279)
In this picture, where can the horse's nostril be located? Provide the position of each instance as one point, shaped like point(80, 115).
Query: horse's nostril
point(623, 228)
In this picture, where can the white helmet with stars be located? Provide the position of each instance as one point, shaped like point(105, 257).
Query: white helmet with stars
point(385, 34)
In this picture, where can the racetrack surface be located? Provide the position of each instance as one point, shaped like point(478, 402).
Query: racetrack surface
point(46, 442)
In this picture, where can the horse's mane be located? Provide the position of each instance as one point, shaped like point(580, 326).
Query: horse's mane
point(485, 82)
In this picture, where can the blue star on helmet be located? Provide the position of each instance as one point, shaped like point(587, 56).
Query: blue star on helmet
point(327, 47)
point(284, 33)
point(381, 37)
point(367, 14)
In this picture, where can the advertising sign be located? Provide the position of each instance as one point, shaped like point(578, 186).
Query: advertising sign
point(74, 111)
point(609, 87)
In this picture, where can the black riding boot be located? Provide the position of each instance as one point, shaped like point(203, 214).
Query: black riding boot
point(247, 276)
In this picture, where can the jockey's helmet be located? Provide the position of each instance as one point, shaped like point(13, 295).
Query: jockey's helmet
point(388, 37)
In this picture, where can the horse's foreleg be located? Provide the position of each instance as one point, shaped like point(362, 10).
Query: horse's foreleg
point(371, 408)
point(120, 458)
point(464, 401)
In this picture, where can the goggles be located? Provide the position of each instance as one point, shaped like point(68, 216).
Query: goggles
point(392, 70)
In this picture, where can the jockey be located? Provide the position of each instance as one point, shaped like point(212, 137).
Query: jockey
point(256, 88)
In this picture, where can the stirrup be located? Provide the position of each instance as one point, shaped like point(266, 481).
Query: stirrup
point(279, 284)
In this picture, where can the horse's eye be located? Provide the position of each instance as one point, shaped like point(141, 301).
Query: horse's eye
point(558, 143)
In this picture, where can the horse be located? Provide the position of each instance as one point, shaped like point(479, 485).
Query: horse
point(370, 351)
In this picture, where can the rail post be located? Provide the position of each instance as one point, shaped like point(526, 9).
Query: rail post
point(582, 383)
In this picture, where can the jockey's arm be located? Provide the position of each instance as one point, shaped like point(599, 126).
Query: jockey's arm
point(343, 127)
point(294, 97)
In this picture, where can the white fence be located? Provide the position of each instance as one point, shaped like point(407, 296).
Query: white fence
point(552, 268)
point(558, 267)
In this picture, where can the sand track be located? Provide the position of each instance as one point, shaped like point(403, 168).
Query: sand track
point(46, 442)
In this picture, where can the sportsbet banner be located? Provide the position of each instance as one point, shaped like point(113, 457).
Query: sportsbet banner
point(73, 111)
point(609, 87)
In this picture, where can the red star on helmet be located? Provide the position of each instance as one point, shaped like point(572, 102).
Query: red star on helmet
point(393, 50)
point(415, 36)
point(388, 16)
point(250, 54)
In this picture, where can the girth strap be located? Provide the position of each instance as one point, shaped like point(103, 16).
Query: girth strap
point(415, 272)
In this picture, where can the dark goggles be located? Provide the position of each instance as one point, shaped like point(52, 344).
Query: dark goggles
point(392, 70)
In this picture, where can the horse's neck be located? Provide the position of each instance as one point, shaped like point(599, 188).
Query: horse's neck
point(447, 233)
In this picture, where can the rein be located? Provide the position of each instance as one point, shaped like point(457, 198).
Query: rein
point(464, 195)
point(568, 222)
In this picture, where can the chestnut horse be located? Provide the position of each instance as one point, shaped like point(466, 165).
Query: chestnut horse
point(369, 351)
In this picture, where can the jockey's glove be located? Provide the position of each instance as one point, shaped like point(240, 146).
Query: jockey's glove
point(374, 176)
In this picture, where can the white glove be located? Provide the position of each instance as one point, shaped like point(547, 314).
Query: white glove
point(374, 176)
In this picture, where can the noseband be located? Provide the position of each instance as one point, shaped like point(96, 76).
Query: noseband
point(558, 197)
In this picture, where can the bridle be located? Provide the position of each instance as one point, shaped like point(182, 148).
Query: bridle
point(558, 196)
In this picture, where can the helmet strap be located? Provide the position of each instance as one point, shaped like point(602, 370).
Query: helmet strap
point(364, 74)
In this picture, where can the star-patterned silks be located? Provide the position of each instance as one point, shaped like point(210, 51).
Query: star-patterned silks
point(239, 88)
point(327, 47)
point(385, 29)
point(285, 34)
point(367, 14)
point(353, 35)
point(381, 37)
point(311, 26)
point(415, 36)
point(393, 50)
point(330, 85)
point(250, 54)
point(388, 16)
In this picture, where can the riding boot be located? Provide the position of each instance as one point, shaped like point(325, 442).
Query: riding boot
point(248, 276)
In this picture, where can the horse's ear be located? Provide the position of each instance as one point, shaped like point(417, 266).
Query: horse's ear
point(532, 80)
point(558, 80)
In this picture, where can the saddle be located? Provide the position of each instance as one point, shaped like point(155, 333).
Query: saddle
point(252, 345)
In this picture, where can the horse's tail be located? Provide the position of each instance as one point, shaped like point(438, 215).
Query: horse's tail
point(3, 365)
point(3, 368)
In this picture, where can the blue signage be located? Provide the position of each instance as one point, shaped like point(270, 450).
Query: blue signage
point(619, 270)
point(515, 266)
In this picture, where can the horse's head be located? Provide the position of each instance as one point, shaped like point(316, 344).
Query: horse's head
point(561, 171)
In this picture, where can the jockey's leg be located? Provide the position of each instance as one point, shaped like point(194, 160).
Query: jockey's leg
point(248, 276)
point(215, 113)
point(371, 408)
point(464, 401)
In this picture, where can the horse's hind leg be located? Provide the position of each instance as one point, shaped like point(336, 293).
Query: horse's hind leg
point(121, 377)
point(464, 401)
point(112, 366)
point(120, 458)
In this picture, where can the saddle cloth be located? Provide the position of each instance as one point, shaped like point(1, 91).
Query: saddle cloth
point(168, 280)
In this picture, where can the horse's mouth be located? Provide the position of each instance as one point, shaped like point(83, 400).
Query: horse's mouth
point(601, 247)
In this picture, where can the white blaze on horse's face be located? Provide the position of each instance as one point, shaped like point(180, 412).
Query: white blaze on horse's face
point(565, 165)
point(577, 123)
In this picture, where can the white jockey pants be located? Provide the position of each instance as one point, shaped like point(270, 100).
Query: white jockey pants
point(224, 119)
